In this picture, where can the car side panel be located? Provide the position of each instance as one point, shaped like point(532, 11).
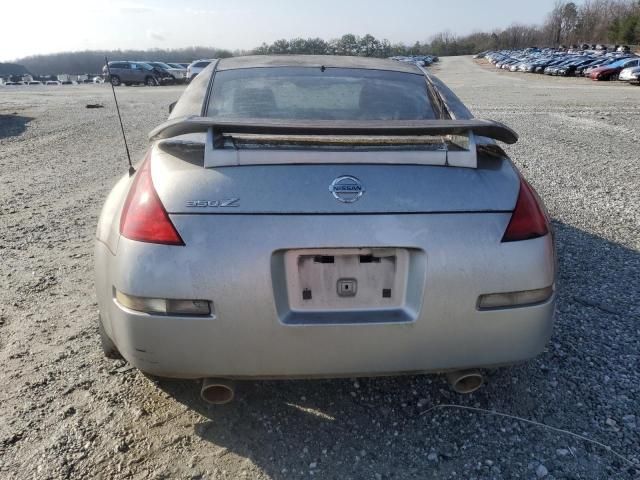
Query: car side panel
point(127, 74)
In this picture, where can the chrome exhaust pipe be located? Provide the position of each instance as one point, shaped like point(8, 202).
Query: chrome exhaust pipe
point(217, 391)
point(465, 381)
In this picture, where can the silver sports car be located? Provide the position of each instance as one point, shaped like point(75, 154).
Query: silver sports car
point(318, 216)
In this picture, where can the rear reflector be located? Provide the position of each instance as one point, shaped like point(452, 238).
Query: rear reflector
point(144, 218)
point(514, 299)
point(528, 219)
point(167, 306)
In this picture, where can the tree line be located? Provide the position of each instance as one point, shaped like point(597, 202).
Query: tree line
point(593, 21)
point(92, 61)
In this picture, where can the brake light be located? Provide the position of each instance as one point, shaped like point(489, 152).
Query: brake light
point(528, 219)
point(144, 218)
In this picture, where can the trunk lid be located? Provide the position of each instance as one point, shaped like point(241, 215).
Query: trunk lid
point(185, 186)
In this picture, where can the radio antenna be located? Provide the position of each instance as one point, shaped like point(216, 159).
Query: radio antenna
point(124, 137)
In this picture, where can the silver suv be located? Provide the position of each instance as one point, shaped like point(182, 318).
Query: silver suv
point(128, 73)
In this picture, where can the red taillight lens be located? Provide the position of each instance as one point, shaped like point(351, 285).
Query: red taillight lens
point(528, 219)
point(143, 216)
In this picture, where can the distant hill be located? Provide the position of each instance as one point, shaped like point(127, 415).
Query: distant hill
point(92, 61)
point(7, 69)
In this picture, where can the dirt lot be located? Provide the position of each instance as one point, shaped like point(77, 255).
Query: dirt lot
point(65, 412)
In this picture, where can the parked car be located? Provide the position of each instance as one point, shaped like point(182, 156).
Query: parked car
point(181, 68)
point(572, 68)
point(178, 74)
point(574, 61)
point(630, 74)
point(420, 60)
point(374, 258)
point(586, 69)
point(196, 67)
point(53, 82)
point(129, 73)
point(612, 70)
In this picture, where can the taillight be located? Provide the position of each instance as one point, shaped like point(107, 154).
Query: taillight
point(528, 219)
point(144, 218)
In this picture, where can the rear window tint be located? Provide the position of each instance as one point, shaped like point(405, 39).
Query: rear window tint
point(311, 93)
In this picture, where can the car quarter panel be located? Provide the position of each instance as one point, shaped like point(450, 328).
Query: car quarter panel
point(108, 230)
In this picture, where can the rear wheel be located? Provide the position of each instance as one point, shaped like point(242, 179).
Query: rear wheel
point(109, 348)
point(115, 80)
point(614, 77)
point(151, 82)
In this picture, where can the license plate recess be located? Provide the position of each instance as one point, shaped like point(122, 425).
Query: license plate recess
point(348, 285)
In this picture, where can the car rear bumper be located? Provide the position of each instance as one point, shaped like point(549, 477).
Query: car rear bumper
point(248, 337)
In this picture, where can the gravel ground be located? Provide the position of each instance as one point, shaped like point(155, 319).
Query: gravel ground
point(66, 412)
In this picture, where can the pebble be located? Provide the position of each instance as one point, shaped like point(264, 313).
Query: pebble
point(541, 471)
point(432, 457)
point(562, 452)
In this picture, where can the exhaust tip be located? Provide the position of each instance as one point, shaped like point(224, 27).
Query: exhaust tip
point(465, 381)
point(217, 391)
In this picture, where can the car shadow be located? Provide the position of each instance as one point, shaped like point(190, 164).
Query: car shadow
point(13, 125)
point(392, 427)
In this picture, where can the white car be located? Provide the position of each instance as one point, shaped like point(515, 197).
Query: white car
point(631, 74)
point(196, 67)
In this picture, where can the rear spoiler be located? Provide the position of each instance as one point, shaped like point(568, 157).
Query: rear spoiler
point(392, 128)
point(458, 149)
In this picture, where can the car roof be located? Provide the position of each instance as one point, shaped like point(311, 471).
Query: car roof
point(257, 61)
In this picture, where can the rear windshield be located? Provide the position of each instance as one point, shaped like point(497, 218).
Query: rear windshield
point(308, 93)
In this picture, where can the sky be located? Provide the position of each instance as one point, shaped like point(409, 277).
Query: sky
point(32, 27)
